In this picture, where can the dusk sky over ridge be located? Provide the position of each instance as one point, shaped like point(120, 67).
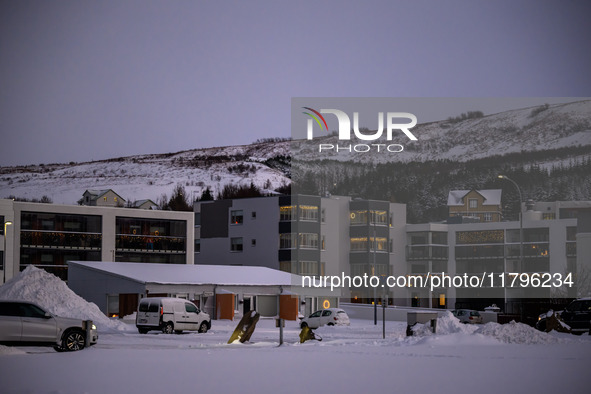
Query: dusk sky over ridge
point(87, 80)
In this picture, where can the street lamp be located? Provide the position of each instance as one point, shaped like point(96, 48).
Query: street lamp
point(6, 224)
point(520, 220)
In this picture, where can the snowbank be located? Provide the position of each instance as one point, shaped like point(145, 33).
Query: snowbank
point(47, 290)
point(6, 350)
point(505, 333)
point(516, 333)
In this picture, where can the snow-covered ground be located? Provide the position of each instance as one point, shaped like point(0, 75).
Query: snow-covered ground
point(488, 358)
point(351, 359)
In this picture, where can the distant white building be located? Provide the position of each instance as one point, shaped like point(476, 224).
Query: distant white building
point(144, 204)
point(477, 205)
point(101, 198)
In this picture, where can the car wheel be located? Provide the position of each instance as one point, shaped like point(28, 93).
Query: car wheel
point(178, 331)
point(304, 325)
point(330, 324)
point(203, 327)
point(73, 340)
point(168, 328)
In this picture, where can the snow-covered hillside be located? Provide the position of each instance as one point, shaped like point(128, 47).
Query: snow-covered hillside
point(528, 129)
point(267, 164)
point(150, 176)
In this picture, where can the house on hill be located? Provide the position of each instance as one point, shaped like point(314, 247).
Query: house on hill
point(480, 205)
point(102, 198)
point(144, 204)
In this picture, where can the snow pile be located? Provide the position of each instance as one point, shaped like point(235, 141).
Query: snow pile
point(516, 333)
point(6, 350)
point(506, 333)
point(50, 292)
point(447, 324)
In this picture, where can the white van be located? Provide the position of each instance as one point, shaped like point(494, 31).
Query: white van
point(170, 314)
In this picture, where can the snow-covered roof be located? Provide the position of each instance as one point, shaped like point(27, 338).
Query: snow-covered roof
point(139, 203)
point(491, 197)
point(95, 194)
point(194, 274)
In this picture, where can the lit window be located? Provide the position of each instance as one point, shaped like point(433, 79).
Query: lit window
point(236, 217)
point(379, 217)
point(286, 212)
point(309, 212)
point(358, 217)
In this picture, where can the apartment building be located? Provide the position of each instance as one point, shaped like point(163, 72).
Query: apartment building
point(50, 235)
point(305, 235)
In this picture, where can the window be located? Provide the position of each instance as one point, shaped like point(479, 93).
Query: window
point(308, 240)
point(105, 198)
point(488, 217)
point(309, 213)
point(191, 308)
point(359, 244)
point(473, 203)
point(285, 266)
point(236, 244)
point(286, 213)
point(287, 241)
point(197, 246)
point(323, 215)
point(379, 243)
point(253, 242)
point(323, 245)
point(308, 268)
point(379, 217)
point(358, 217)
point(236, 217)
point(115, 199)
point(253, 215)
point(197, 219)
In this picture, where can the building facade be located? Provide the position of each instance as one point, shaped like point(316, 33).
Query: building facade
point(304, 235)
point(50, 235)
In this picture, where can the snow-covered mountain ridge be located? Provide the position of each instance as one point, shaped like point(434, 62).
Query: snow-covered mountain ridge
point(267, 164)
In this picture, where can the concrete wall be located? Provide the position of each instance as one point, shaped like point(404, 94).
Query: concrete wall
point(262, 229)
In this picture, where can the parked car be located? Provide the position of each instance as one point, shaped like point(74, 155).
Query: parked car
point(170, 315)
point(577, 315)
point(330, 317)
point(467, 316)
point(27, 323)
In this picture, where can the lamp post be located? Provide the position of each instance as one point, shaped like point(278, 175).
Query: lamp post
point(6, 224)
point(520, 220)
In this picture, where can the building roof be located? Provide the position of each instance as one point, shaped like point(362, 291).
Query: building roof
point(195, 274)
point(139, 203)
point(491, 197)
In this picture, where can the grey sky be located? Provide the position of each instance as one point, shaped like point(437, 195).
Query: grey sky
point(84, 80)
